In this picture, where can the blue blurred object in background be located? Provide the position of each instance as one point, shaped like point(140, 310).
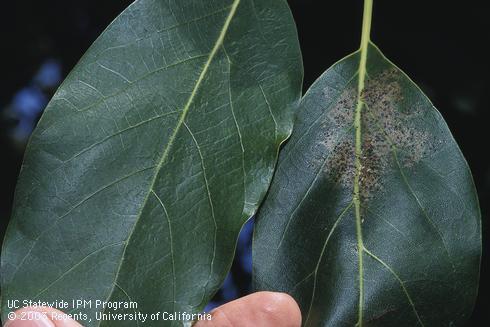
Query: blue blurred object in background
point(28, 103)
point(49, 75)
point(244, 246)
point(25, 108)
point(238, 281)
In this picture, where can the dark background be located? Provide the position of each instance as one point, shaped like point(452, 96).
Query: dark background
point(440, 44)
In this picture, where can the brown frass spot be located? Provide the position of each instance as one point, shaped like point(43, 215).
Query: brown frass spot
point(387, 126)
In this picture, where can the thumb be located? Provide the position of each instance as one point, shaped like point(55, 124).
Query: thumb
point(40, 317)
point(266, 309)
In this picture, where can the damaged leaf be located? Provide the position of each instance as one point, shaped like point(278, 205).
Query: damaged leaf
point(372, 218)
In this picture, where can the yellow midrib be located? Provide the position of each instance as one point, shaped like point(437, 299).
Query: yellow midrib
point(180, 123)
point(366, 29)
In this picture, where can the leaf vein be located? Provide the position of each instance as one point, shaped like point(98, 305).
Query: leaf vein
point(402, 284)
point(334, 227)
point(73, 268)
point(171, 240)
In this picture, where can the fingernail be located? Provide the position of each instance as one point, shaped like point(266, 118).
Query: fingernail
point(30, 319)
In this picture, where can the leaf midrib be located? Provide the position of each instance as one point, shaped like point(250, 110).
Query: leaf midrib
point(365, 39)
point(177, 128)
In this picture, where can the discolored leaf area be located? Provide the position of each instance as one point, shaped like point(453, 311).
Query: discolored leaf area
point(410, 255)
point(150, 157)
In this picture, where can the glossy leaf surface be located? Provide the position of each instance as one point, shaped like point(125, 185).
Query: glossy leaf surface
point(151, 156)
point(414, 260)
